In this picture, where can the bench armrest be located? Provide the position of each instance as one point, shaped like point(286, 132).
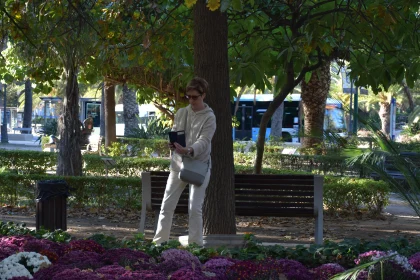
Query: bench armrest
point(319, 208)
point(146, 198)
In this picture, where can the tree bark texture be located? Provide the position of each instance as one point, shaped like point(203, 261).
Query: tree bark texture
point(384, 115)
point(277, 101)
point(314, 98)
point(277, 123)
point(211, 63)
point(130, 112)
point(69, 155)
point(27, 110)
point(408, 95)
point(110, 129)
point(102, 120)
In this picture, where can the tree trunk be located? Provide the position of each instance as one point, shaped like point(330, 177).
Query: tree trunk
point(211, 63)
point(314, 98)
point(102, 120)
point(238, 98)
point(384, 115)
point(110, 118)
point(277, 123)
point(409, 95)
point(130, 112)
point(27, 110)
point(69, 156)
point(277, 101)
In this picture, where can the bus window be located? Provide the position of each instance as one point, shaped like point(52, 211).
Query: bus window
point(119, 117)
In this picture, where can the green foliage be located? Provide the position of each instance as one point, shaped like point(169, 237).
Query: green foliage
point(50, 127)
point(106, 241)
point(117, 149)
point(26, 162)
point(155, 130)
point(85, 191)
point(374, 160)
point(137, 147)
point(412, 129)
point(12, 229)
point(353, 195)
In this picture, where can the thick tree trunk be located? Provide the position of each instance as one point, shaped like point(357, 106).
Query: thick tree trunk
point(110, 129)
point(27, 110)
point(130, 112)
point(69, 156)
point(384, 115)
point(314, 98)
point(211, 63)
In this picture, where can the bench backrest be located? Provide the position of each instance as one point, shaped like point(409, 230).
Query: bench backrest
point(255, 194)
point(412, 158)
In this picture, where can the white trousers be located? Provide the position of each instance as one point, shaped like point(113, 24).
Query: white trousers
point(173, 191)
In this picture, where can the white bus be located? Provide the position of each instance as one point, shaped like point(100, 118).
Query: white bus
point(146, 112)
point(249, 117)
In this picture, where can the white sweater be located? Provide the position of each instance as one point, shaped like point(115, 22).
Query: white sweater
point(199, 131)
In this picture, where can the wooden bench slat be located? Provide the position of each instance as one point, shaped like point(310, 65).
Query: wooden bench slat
point(274, 181)
point(273, 187)
point(273, 192)
point(276, 199)
point(274, 205)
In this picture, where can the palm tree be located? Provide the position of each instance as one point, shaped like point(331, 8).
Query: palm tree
point(382, 103)
point(314, 97)
point(131, 111)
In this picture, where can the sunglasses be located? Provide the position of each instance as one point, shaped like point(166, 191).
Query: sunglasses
point(193, 97)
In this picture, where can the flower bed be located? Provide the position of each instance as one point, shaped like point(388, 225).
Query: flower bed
point(101, 257)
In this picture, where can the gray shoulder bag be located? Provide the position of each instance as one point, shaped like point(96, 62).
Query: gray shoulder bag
point(192, 171)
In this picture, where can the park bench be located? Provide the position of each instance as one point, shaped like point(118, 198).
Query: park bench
point(28, 130)
point(255, 195)
point(389, 167)
point(94, 144)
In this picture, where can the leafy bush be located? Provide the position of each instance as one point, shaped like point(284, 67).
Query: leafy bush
point(85, 190)
point(355, 194)
point(155, 130)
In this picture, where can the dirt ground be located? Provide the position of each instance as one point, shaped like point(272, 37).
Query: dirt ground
point(397, 220)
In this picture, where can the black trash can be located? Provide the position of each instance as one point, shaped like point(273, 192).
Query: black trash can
point(51, 204)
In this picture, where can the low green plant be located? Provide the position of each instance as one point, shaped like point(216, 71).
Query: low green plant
point(373, 159)
point(117, 149)
point(353, 195)
point(156, 129)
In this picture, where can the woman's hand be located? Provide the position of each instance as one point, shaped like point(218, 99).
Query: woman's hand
point(180, 150)
point(171, 146)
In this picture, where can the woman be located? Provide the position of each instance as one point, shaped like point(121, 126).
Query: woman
point(199, 130)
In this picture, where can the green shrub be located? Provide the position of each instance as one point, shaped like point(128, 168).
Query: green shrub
point(355, 194)
point(85, 190)
point(27, 162)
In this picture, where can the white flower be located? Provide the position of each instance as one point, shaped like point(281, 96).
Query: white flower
point(396, 258)
point(8, 270)
point(32, 262)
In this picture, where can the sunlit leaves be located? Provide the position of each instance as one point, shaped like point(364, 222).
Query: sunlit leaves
point(190, 3)
point(213, 5)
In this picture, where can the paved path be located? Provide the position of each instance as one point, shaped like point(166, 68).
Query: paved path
point(33, 145)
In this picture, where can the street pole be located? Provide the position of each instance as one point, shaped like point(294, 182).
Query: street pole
point(355, 111)
point(4, 137)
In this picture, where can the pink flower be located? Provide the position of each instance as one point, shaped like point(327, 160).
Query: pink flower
point(326, 271)
point(414, 260)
